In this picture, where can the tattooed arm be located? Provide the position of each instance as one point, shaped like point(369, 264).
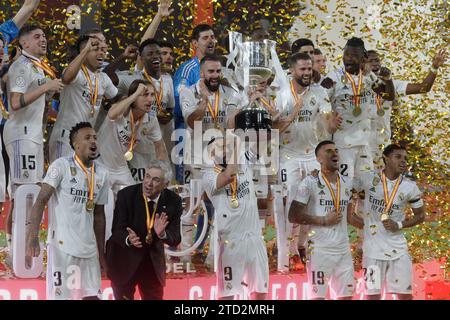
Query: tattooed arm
point(37, 211)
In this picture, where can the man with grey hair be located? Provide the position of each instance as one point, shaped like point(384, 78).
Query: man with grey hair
point(146, 216)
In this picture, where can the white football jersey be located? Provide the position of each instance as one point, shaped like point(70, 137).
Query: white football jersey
point(189, 97)
point(301, 137)
point(234, 223)
point(25, 123)
point(378, 242)
point(314, 193)
point(381, 125)
point(114, 139)
point(354, 130)
point(168, 98)
point(72, 226)
point(75, 103)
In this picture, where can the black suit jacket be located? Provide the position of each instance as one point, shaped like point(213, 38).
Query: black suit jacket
point(129, 211)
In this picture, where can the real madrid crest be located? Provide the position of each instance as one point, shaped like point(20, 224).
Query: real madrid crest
point(225, 102)
point(401, 196)
point(73, 171)
point(376, 180)
point(312, 101)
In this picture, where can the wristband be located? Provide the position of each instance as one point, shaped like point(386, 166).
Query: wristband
point(400, 225)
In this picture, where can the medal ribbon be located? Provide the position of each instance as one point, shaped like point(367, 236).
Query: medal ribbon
point(389, 200)
point(336, 198)
point(378, 102)
point(267, 104)
point(133, 131)
point(294, 93)
point(91, 182)
point(356, 91)
point(159, 95)
point(93, 92)
point(150, 219)
point(48, 70)
point(5, 112)
point(233, 187)
point(214, 112)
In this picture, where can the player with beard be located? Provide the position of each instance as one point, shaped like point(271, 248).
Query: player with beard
point(205, 104)
point(86, 87)
point(387, 194)
point(242, 255)
point(381, 115)
point(319, 63)
point(306, 115)
point(128, 123)
point(188, 74)
point(76, 234)
point(167, 57)
point(321, 203)
point(349, 89)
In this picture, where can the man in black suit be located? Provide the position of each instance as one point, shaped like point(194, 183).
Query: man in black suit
point(146, 217)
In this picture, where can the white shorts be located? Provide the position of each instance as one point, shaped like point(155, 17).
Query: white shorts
point(138, 165)
point(2, 177)
point(395, 275)
point(191, 172)
point(58, 149)
point(71, 278)
point(335, 270)
point(295, 169)
point(26, 162)
point(355, 161)
point(242, 262)
point(119, 179)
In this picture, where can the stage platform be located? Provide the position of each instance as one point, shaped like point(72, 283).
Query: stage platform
point(186, 283)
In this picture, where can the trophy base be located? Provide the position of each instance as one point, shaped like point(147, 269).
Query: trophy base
point(253, 119)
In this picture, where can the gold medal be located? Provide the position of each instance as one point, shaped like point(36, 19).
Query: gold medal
point(234, 203)
point(150, 219)
point(91, 182)
point(90, 205)
point(357, 111)
point(389, 199)
point(5, 114)
point(92, 112)
point(128, 155)
point(217, 126)
point(149, 238)
point(380, 112)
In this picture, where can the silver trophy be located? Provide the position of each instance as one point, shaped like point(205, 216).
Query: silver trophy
point(253, 64)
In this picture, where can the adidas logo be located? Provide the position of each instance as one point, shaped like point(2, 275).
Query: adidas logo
point(322, 193)
point(372, 189)
point(73, 180)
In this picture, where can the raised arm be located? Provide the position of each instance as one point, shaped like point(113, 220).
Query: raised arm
point(74, 67)
point(25, 12)
point(426, 85)
point(129, 53)
point(386, 90)
point(163, 12)
point(118, 109)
